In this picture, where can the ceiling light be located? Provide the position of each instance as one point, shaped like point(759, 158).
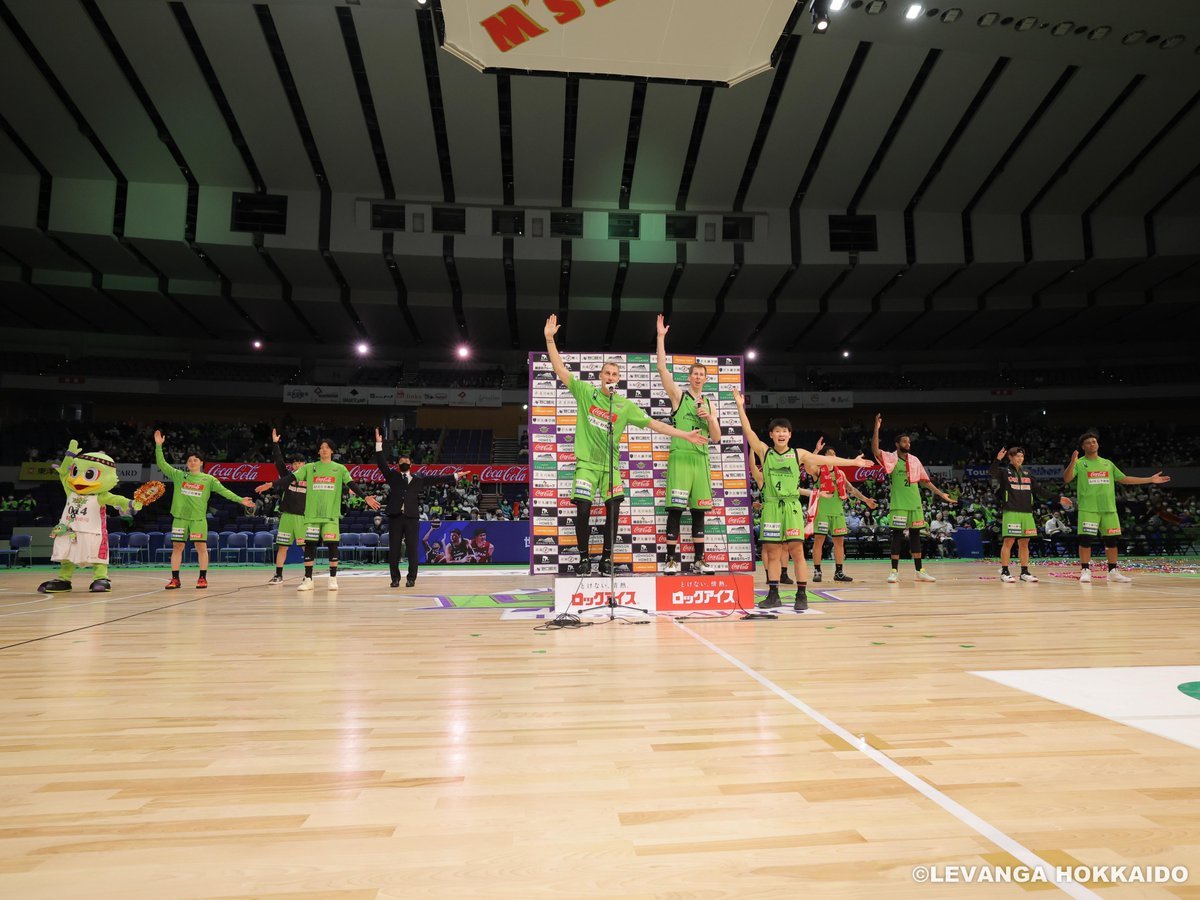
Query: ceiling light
point(1026, 23)
point(1062, 28)
point(1173, 41)
point(875, 7)
point(1099, 33)
point(820, 16)
point(837, 5)
point(845, 354)
point(257, 345)
point(463, 351)
point(988, 19)
point(913, 11)
point(752, 354)
point(951, 15)
point(1133, 37)
point(362, 348)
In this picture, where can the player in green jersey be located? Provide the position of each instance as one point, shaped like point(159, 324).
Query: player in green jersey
point(784, 517)
point(906, 476)
point(189, 510)
point(600, 419)
point(756, 473)
point(829, 513)
point(324, 482)
point(689, 477)
point(1096, 479)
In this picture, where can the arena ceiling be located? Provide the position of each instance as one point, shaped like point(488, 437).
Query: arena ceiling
point(1033, 182)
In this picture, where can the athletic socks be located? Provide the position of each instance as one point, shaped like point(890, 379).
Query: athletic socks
point(203, 573)
point(1004, 570)
point(308, 571)
point(895, 564)
point(1085, 565)
point(279, 571)
point(837, 569)
point(916, 563)
point(1024, 570)
point(333, 571)
point(817, 567)
point(174, 573)
point(1112, 567)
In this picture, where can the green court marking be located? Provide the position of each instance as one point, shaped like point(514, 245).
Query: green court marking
point(1191, 688)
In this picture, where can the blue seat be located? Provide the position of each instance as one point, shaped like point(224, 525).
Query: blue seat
point(368, 545)
point(235, 547)
point(348, 547)
point(260, 550)
point(136, 549)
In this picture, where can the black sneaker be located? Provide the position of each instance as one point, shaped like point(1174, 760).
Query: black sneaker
point(410, 581)
point(785, 578)
point(606, 565)
point(841, 576)
point(395, 582)
point(801, 603)
point(816, 575)
point(276, 579)
point(772, 600)
point(583, 567)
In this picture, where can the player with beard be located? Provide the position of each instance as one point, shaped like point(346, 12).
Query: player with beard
point(689, 478)
point(601, 416)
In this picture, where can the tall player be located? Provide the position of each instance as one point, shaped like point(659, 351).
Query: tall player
point(689, 478)
point(325, 480)
point(784, 518)
point(292, 495)
point(1097, 493)
point(601, 416)
point(833, 487)
point(189, 510)
point(907, 476)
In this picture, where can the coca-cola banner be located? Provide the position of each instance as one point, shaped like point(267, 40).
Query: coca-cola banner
point(367, 472)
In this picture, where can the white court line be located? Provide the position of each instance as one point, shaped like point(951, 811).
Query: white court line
point(107, 598)
point(960, 812)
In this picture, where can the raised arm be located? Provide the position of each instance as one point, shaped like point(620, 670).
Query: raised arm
point(169, 470)
point(756, 445)
point(560, 369)
point(1069, 471)
point(875, 438)
point(664, 374)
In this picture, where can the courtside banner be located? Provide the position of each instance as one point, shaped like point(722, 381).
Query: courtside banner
point(369, 474)
point(581, 594)
point(473, 543)
point(640, 547)
point(709, 593)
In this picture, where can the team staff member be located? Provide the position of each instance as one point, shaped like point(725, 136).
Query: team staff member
point(601, 417)
point(189, 510)
point(689, 476)
point(404, 509)
point(1097, 493)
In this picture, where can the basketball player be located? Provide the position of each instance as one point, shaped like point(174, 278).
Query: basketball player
point(689, 478)
point(830, 517)
point(189, 510)
point(1097, 502)
point(907, 476)
point(291, 528)
point(784, 518)
point(1015, 490)
point(601, 416)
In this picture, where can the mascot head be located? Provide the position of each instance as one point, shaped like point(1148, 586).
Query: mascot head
point(92, 473)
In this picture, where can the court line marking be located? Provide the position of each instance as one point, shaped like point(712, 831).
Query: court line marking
point(954, 808)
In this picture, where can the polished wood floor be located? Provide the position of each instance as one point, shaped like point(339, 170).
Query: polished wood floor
point(258, 742)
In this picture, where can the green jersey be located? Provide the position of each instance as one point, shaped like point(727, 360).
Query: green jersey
point(325, 482)
point(192, 489)
point(593, 420)
point(781, 475)
point(686, 419)
point(1095, 484)
point(904, 495)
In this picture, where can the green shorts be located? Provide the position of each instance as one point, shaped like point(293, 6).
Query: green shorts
point(194, 530)
point(1098, 524)
point(1018, 525)
point(592, 480)
point(783, 521)
point(689, 481)
point(907, 518)
point(322, 531)
point(292, 529)
point(831, 517)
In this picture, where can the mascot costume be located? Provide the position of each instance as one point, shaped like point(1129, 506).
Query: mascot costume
point(81, 535)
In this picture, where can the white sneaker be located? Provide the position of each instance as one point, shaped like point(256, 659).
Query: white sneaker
point(701, 567)
point(671, 567)
point(894, 578)
point(922, 575)
point(1029, 577)
point(333, 584)
point(1008, 579)
point(1119, 577)
point(1085, 576)
point(306, 584)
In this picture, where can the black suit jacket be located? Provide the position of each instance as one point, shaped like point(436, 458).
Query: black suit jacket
point(404, 499)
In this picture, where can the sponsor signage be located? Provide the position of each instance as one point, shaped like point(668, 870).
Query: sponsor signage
point(398, 396)
point(581, 594)
point(368, 473)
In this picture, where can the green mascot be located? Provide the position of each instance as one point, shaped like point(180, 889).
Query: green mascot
point(81, 535)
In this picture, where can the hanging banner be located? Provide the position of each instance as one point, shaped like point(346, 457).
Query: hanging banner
point(368, 473)
point(393, 396)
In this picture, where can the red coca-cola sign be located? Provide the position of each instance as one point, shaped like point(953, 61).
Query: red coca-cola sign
point(367, 473)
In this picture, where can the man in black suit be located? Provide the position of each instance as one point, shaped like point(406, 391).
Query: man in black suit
point(404, 509)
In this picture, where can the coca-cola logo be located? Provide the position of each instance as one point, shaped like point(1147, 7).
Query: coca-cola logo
point(505, 474)
point(242, 471)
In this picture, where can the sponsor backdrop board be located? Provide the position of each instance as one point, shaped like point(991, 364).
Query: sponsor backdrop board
point(365, 472)
point(641, 541)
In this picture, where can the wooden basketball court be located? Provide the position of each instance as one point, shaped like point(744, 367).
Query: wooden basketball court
point(256, 742)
